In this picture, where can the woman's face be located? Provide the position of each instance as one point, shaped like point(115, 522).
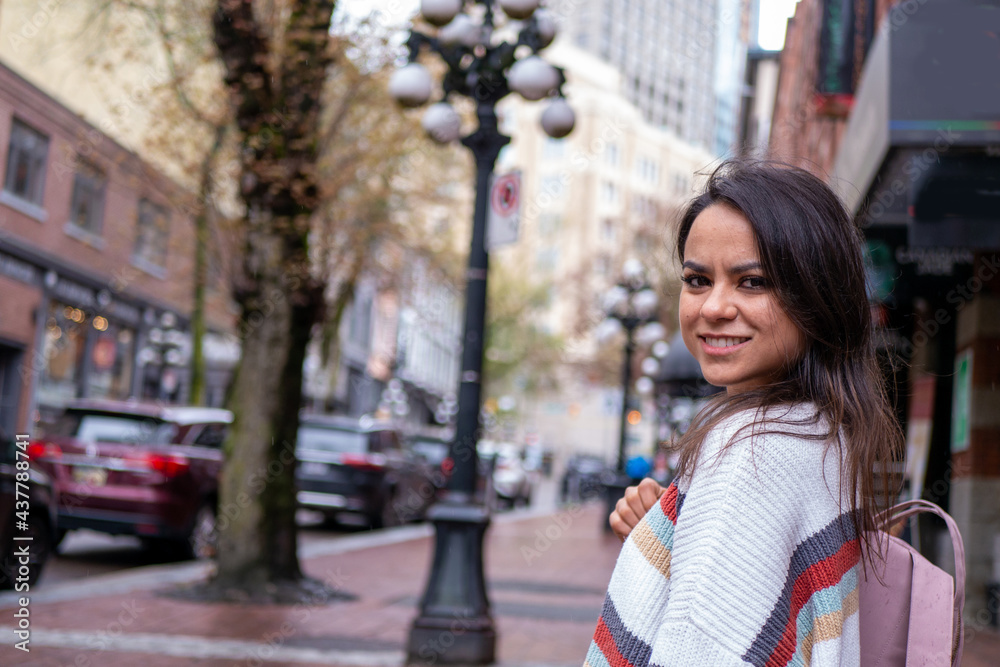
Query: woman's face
point(729, 315)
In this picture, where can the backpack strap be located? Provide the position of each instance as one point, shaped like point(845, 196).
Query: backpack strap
point(911, 508)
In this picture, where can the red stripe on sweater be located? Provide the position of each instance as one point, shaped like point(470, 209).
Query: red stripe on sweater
point(605, 642)
point(668, 503)
point(821, 575)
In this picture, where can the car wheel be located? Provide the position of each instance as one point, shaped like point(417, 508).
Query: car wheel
point(42, 544)
point(201, 542)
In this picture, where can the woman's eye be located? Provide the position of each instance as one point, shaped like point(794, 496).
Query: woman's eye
point(754, 282)
point(695, 281)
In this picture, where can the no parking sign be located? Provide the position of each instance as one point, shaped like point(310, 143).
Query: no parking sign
point(504, 214)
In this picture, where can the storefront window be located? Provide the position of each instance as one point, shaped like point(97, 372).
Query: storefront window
point(111, 358)
point(63, 348)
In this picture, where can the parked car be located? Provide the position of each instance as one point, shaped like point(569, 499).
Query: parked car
point(347, 465)
point(436, 451)
point(130, 468)
point(584, 478)
point(512, 484)
point(39, 512)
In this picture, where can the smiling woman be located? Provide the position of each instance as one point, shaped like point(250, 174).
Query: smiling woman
point(752, 556)
point(730, 319)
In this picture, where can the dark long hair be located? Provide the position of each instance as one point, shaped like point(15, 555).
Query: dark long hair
point(811, 254)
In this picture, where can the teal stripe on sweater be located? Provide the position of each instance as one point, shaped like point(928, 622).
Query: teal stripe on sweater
point(595, 658)
point(661, 526)
point(822, 602)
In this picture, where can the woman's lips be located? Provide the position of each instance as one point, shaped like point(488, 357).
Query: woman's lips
point(722, 345)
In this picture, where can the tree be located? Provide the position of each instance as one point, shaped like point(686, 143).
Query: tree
point(188, 133)
point(276, 58)
point(323, 171)
point(520, 353)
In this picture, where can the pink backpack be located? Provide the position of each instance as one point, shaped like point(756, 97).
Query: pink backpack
point(915, 618)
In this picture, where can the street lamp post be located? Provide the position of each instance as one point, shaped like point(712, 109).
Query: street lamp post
point(631, 307)
point(455, 625)
point(168, 348)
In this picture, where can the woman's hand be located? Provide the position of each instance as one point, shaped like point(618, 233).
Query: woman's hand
point(634, 505)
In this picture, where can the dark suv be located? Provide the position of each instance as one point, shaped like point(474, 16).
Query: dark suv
point(361, 467)
point(141, 469)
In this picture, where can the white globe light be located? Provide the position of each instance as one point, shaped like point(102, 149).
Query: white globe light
point(633, 269)
point(442, 122)
point(519, 9)
point(607, 330)
point(644, 386)
point(660, 349)
point(558, 119)
point(410, 85)
point(546, 25)
point(645, 302)
point(650, 366)
point(462, 30)
point(532, 78)
point(440, 12)
point(650, 333)
point(615, 299)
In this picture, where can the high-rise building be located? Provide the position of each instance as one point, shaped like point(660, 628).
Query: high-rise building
point(681, 62)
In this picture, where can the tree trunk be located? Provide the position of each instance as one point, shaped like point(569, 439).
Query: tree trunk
point(257, 538)
point(276, 89)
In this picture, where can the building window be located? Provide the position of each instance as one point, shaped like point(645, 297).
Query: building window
point(87, 206)
point(552, 186)
point(360, 325)
point(553, 148)
point(63, 349)
point(611, 154)
point(608, 229)
point(111, 360)
point(548, 224)
point(152, 230)
point(609, 192)
point(26, 163)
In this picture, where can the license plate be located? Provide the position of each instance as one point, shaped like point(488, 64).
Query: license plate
point(315, 469)
point(90, 476)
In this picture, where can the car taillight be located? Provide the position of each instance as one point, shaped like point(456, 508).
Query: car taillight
point(447, 465)
point(169, 465)
point(40, 449)
point(364, 461)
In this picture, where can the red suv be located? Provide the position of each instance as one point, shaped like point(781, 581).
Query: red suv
point(141, 469)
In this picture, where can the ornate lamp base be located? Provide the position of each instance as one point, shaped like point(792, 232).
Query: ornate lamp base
point(455, 625)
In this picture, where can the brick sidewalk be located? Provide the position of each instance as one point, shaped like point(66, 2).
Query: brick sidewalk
point(546, 576)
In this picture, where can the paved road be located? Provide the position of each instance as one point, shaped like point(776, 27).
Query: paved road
point(85, 553)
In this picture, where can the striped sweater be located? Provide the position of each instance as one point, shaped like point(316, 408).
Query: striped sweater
point(753, 560)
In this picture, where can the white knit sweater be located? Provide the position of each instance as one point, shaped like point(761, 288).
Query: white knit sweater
point(752, 560)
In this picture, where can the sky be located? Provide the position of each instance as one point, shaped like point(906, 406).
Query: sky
point(773, 15)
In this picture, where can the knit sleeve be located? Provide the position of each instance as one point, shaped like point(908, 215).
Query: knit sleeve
point(763, 550)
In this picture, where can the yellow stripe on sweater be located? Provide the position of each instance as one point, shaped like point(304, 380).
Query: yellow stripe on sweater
point(652, 548)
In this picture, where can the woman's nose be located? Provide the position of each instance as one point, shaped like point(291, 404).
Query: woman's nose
point(719, 304)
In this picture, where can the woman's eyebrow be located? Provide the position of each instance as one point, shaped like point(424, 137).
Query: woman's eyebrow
point(739, 268)
point(695, 266)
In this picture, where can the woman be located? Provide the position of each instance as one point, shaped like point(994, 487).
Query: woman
point(752, 556)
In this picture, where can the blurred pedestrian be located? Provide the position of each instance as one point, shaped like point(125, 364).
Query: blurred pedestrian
point(751, 556)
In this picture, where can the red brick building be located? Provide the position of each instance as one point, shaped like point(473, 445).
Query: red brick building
point(96, 265)
point(897, 105)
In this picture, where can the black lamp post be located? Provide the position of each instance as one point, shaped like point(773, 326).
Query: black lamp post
point(630, 306)
point(455, 625)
